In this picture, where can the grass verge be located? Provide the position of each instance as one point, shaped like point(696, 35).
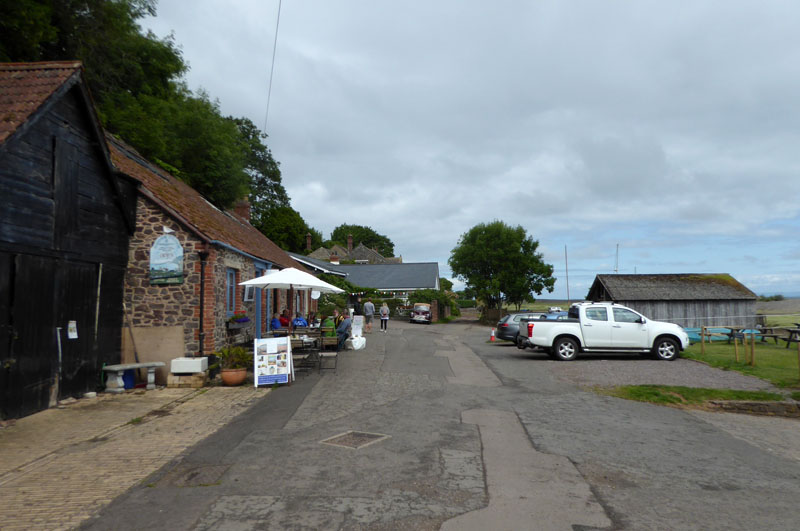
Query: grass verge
point(679, 395)
point(773, 363)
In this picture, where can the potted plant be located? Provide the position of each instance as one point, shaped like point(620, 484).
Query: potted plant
point(239, 319)
point(233, 363)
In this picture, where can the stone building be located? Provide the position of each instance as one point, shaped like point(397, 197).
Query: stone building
point(186, 260)
point(360, 254)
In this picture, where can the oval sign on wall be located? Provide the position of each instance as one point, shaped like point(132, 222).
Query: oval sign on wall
point(166, 261)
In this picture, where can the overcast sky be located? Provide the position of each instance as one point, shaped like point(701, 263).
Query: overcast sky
point(670, 129)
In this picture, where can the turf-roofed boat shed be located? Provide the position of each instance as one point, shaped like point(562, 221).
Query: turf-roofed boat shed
point(690, 300)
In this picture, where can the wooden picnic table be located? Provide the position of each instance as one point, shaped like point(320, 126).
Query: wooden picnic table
point(767, 332)
point(794, 336)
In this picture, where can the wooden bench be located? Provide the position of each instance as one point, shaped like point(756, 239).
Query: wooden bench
point(115, 384)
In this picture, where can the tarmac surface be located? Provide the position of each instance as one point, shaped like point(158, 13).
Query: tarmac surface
point(429, 427)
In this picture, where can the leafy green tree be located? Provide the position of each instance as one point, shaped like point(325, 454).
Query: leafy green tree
point(287, 228)
point(365, 235)
point(136, 81)
point(445, 284)
point(500, 262)
point(266, 189)
point(24, 27)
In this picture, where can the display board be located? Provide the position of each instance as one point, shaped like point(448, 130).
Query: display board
point(357, 326)
point(272, 361)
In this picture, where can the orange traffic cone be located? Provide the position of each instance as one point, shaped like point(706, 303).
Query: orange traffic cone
point(492, 338)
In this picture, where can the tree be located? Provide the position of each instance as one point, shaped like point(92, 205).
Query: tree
point(266, 189)
point(445, 284)
point(287, 228)
point(365, 235)
point(136, 81)
point(500, 263)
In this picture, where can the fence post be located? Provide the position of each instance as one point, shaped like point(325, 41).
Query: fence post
point(736, 348)
point(703, 341)
point(753, 350)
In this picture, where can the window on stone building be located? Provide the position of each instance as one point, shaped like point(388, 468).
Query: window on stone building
point(230, 292)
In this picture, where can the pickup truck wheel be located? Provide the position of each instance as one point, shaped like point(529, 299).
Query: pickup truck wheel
point(520, 343)
point(665, 349)
point(565, 349)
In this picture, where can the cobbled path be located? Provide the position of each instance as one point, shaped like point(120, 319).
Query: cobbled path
point(60, 466)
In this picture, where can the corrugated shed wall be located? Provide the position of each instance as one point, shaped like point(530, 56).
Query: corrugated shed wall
point(694, 314)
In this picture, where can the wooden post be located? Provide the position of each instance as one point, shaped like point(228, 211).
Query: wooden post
point(703, 341)
point(753, 349)
point(798, 359)
point(736, 349)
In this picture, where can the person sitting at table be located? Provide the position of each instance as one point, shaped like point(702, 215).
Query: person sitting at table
point(327, 322)
point(299, 321)
point(312, 319)
point(276, 322)
point(337, 317)
point(284, 319)
point(343, 331)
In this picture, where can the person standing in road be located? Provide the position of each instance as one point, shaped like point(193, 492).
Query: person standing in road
point(358, 308)
point(384, 317)
point(369, 311)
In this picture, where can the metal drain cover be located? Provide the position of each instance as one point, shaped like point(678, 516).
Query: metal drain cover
point(355, 439)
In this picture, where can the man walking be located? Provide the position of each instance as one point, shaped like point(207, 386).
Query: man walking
point(369, 311)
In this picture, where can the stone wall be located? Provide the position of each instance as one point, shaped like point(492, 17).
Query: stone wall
point(150, 306)
point(150, 309)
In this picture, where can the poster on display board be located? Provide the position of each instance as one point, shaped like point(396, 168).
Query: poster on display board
point(272, 362)
point(357, 326)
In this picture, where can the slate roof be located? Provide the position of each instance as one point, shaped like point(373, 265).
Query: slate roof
point(188, 206)
point(389, 277)
point(360, 253)
point(316, 265)
point(684, 287)
point(25, 87)
point(399, 277)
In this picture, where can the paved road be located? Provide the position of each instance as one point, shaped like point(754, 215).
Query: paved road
point(458, 433)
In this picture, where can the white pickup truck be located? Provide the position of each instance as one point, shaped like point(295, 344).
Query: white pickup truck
point(603, 327)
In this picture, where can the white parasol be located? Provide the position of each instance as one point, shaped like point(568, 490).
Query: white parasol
point(291, 278)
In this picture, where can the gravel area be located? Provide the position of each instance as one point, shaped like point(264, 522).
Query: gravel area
point(638, 371)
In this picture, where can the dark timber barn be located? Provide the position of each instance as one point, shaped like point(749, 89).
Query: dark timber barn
point(65, 221)
point(689, 300)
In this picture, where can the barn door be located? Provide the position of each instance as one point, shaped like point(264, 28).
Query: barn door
point(77, 289)
point(7, 361)
point(28, 338)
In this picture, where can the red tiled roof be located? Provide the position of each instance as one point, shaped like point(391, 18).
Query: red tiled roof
point(24, 87)
point(194, 210)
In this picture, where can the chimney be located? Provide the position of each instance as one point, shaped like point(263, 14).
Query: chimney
point(349, 243)
point(242, 209)
point(308, 241)
point(334, 259)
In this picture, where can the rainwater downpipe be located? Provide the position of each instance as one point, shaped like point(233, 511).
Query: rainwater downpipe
point(201, 336)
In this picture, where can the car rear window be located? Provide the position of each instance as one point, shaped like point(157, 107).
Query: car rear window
point(597, 314)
